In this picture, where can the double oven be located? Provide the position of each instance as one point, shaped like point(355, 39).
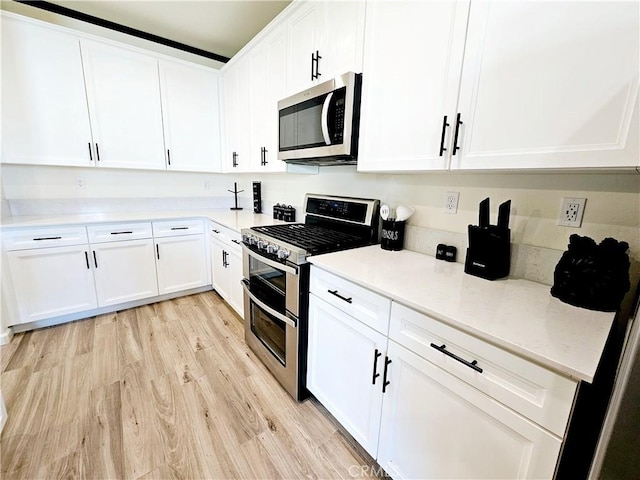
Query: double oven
point(276, 279)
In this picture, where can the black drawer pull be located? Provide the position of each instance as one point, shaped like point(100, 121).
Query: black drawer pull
point(86, 257)
point(158, 251)
point(335, 293)
point(236, 241)
point(47, 238)
point(179, 228)
point(376, 355)
point(215, 231)
point(90, 154)
point(120, 233)
point(444, 130)
point(443, 348)
point(385, 382)
point(455, 136)
point(95, 260)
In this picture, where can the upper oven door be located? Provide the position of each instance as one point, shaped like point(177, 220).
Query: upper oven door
point(272, 283)
point(318, 122)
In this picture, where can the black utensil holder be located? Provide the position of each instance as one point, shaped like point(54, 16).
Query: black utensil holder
point(392, 235)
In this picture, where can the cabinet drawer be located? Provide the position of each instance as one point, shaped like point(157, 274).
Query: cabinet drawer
point(535, 392)
point(115, 232)
point(368, 307)
point(225, 235)
point(172, 228)
point(44, 237)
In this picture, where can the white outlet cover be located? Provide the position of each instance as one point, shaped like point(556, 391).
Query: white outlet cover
point(80, 183)
point(571, 212)
point(451, 202)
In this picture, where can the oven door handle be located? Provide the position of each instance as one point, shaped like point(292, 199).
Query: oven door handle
point(289, 321)
point(271, 263)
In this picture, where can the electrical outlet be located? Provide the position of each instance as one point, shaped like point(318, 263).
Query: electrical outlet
point(451, 202)
point(205, 184)
point(80, 183)
point(571, 212)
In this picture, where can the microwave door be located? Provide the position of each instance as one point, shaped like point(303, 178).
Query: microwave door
point(325, 119)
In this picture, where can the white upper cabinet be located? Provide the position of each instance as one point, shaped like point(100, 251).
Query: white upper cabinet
point(267, 87)
point(191, 122)
point(412, 64)
point(123, 91)
point(45, 120)
point(325, 40)
point(236, 153)
point(550, 85)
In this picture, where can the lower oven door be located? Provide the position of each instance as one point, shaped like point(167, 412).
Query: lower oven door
point(274, 338)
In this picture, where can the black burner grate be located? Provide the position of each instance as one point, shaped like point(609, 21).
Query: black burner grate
point(313, 238)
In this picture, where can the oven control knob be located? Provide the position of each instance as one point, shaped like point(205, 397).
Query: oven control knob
point(283, 253)
point(271, 248)
point(262, 244)
point(251, 239)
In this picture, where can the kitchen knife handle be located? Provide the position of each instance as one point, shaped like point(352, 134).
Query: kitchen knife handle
point(455, 136)
point(444, 130)
point(376, 355)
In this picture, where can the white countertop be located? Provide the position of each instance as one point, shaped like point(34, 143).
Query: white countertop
point(235, 220)
point(518, 315)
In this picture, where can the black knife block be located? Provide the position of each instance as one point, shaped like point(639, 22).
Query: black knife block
point(489, 252)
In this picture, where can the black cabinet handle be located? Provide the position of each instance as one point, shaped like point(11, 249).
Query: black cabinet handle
point(46, 238)
point(235, 159)
point(375, 366)
point(86, 257)
point(318, 57)
point(95, 260)
point(444, 130)
point(225, 264)
point(385, 382)
point(121, 233)
point(158, 251)
point(335, 293)
point(443, 348)
point(97, 152)
point(215, 231)
point(313, 60)
point(263, 156)
point(237, 242)
point(179, 228)
point(90, 152)
point(168, 157)
point(455, 137)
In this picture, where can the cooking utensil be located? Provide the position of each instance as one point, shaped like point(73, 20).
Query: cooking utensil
point(384, 212)
point(403, 213)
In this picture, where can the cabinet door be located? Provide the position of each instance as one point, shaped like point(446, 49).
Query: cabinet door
point(268, 86)
point(342, 38)
point(236, 156)
point(50, 282)
point(181, 263)
point(190, 110)
point(220, 277)
point(340, 370)
point(123, 91)
point(412, 63)
point(236, 293)
point(124, 271)
point(45, 120)
point(550, 85)
point(435, 426)
point(304, 27)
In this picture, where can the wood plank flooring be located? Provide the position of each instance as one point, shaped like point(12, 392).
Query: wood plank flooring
point(168, 390)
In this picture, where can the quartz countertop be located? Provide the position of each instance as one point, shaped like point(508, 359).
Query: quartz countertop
point(518, 315)
point(235, 220)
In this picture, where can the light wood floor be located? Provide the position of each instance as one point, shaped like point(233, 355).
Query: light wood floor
point(168, 390)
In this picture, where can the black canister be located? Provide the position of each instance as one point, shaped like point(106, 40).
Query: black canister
point(392, 234)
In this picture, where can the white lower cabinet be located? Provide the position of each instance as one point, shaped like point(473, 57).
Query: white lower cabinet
point(124, 271)
point(181, 263)
point(226, 266)
point(50, 282)
point(436, 426)
point(427, 400)
point(345, 366)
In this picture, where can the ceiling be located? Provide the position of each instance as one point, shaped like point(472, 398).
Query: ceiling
point(218, 26)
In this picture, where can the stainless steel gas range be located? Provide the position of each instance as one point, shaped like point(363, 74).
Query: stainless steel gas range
point(276, 278)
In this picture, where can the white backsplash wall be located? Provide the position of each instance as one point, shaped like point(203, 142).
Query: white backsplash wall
point(612, 209)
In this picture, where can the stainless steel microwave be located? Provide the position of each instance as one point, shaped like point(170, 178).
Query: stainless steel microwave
point(320, 126)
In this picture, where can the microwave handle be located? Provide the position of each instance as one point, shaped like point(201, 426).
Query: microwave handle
point(325, 119)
